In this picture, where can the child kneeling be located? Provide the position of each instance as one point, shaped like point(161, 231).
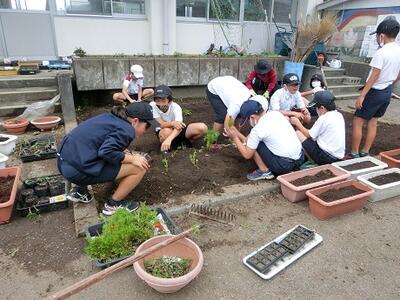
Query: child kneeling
point(172, 132)
point(272, 142)
point(324, 143)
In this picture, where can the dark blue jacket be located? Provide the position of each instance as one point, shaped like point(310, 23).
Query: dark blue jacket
point(97, 141)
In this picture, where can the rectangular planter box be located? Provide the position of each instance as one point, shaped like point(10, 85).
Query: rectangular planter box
point(386, 156)
point(353, 174)
point(385, 191)
point(6, 208)
point(96, 229)
point(7, 147)
point(325, 210)
point(298, 193)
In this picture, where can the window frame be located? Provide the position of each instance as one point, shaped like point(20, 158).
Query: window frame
point(19, 10)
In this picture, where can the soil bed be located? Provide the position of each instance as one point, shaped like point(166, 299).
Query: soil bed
point(6, 184)
point(359, 166)
point(3, 139)
point(321, 175)
point(385, 179)
point(336, 194)
point(397, 156)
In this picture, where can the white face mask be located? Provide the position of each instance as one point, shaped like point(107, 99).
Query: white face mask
point(316, 83)
point(252, 122)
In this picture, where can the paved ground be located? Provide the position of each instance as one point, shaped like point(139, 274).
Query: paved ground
point(358, 259)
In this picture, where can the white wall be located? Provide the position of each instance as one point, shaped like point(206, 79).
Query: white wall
point(307, 8)
point(101, 35)
point(355, 4)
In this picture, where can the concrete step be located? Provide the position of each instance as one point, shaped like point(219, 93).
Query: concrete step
point(9, 97)
point(344, 89)
point(27, 82)
point(11, 111)
point(340, 80)
point(329, 72)
point(349, 96)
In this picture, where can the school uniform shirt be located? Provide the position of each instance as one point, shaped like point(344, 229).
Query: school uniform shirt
point(275, 131)
point(285, 101)
point(329, 133)
point(174, 113)
point(269, 79)
point(97, 141)
point(231, 91)
point(386, 59)
point(133, 85)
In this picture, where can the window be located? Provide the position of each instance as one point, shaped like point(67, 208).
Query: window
point(25, 4)
point(104, 7)
point(255, 10)
point(190, 8)
point(128, 7)
point(227, 10)
point(283, 9)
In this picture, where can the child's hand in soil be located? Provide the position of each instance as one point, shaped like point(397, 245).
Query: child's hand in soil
point(178, 125)
point(297, 115)
point(166, 145)
point(140, 161)
point(231, 132)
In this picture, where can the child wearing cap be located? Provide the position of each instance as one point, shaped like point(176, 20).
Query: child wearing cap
point(288, 99)
point(132, 87)
point(95, 152)
point(272, 142)
point(262, 80)
point(226, 94)
point(172, 132)
point(375, 97)
point(317, 84)
point(324, 143)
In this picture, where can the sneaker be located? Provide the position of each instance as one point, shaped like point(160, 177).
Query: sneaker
point(111, 206)
point(363, 154)
point(354, 155)
point(308, 165)
point(79, 194)
point(258, 174)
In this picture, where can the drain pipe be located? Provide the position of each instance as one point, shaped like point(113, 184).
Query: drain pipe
point(165, 8)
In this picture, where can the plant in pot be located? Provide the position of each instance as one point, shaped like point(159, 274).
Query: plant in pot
point(16, 126)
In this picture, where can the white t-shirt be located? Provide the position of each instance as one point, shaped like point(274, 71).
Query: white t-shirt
point(174, 112)
point(329, 133)
point(283, 100)
point(386, 59)
point(275, 131)
point(133, 85)
point(231, 91)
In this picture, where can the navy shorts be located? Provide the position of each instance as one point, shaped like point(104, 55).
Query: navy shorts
point(180, 140)
point(277, 164)
point(108, 174)
point(375, 103)
point(218, 106)
point(318, 155)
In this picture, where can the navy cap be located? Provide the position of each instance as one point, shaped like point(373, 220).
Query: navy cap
point(250, 107)
point(291, 79)
point(388, 25)
point(263, 66)
point(322, 98)
point(141, 110)
point(162, 91)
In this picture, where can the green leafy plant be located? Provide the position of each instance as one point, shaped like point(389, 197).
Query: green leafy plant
point(167, 266)
point(211, 137)
point(186, 112)
point(121, 232)
point(165, 164)
point(231, 122)
point(79, 52)
point(194, 158)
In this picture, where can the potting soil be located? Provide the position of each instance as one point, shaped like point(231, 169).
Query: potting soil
point(321, 175)
point(3, 139)
point(359, 166)
point(341, 193)
point(385, 179)
point(6, 185)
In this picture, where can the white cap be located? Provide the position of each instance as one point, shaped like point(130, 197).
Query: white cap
point(262, 100)
point(137, 71)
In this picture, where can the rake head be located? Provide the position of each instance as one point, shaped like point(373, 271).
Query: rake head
point(207, 212)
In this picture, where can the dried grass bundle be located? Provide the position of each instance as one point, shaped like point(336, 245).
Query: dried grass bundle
point(311, 32)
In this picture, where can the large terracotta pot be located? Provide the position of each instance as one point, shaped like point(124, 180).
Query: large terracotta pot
point(46, 123)
point(16, 126)
point(184, 248)
point(7, 207)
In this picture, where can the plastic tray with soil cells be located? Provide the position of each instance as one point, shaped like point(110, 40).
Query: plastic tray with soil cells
point(391, 157)
point(361, 165)
point(162, 224)
point(42, 194)
point(294, 185)
point(39, 148)
point(266, 270)
point(386, 183)
point(338, 198)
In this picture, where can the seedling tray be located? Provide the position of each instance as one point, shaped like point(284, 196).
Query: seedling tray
point(288, 258)
point(96, 229)
point(51, 153)
point(56, 202)
point(266, 257)
point(296, 239)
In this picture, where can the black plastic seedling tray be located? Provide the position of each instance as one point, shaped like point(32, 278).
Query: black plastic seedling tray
point(96, 229)
point(51, 153)
point(267, 256)
point(296, 239)
point(58, 200)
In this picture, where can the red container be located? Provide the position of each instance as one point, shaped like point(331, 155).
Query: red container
point(387, 157)
point(298, 193)
point(7, 207)
point(325, 210)
point(16, 126)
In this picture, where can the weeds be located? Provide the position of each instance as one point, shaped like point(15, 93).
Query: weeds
point(186, 112)
point(168, 266)
point(211, 137)
point(165, 164)
point(194, 159)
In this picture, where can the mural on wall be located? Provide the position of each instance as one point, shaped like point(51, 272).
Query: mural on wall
point(352, 38)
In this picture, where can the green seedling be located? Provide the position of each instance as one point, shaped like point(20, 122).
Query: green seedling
point(186, 112)
point(211, 137)
point(165, 164)
point(167, 266)
point(194, 158)
point(32, 216)
point(231, 122)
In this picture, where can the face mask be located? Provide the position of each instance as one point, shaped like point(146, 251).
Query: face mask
point(316, 83)
point(163, 108)
point(253, 122)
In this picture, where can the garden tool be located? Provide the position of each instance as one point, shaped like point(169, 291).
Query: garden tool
point(217, 215)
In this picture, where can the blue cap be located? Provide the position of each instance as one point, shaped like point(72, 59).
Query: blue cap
point(322, 98)
point(250, 107)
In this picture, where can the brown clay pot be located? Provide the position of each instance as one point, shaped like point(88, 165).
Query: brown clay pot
point(16, 126)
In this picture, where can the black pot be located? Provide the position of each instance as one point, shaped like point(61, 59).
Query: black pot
point(31, 200)
point(29, 184)
point(41, 190)
point(26, 193)
point(56, 188)
point(44, 200)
